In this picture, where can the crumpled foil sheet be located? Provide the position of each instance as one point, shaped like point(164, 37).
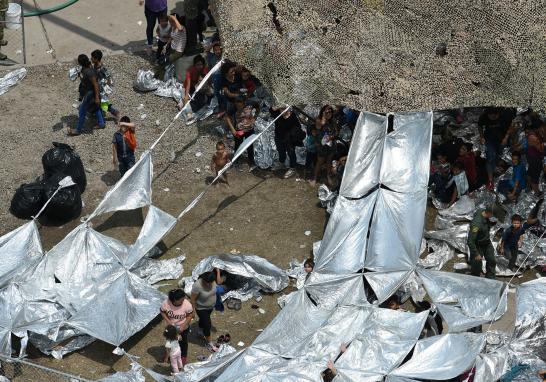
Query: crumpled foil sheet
point(296, 271)
point(73, 73)
point(260, 275)
point(206, 111)
point(462, 209)
point(455, 236)
point(439, 254)
point(133, 375)
point(414, 287)
point(54, 348)
point(154, 271)
point(265, 150)
point(11, 79)
point(145, 81)
point(171, 89)
point(327, 198)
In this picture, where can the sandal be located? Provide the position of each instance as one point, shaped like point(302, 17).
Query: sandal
point(227, 338)
point(221, 339)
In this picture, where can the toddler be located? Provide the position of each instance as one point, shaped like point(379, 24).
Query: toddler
point(219, 160)
point(172, 349)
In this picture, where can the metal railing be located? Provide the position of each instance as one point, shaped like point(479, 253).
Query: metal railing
point(19, 370)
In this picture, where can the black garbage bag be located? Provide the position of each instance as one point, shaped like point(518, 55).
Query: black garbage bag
point(28, 200)
point(65, 206)
point(63, 159)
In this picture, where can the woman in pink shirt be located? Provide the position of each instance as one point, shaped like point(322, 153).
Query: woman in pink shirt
point(177, 310)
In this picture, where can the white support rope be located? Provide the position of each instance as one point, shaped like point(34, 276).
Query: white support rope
point(253, 139)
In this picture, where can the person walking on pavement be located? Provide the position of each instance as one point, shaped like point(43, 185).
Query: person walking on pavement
point(3, 9)
point(480, 244)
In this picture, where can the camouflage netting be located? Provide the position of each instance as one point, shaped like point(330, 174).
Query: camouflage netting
point(391, 55)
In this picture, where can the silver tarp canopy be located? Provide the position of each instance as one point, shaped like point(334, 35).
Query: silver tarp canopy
point(529, 340)
point(398, 163)
point(443, 357)
point(120, 310)
point(20, 250)
point(266, 276)
point(473, 300)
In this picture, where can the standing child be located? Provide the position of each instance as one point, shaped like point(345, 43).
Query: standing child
point(105, 81)
point(172, 349)
point(219, 160)
point(163, 32)
point(124, 145)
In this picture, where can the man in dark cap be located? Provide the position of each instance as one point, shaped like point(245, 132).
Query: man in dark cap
point(480, 244)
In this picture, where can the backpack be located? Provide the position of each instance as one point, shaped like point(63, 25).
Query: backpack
point(130, 139)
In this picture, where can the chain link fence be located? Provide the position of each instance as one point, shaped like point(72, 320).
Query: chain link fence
point(18, 370)
point(12, 31)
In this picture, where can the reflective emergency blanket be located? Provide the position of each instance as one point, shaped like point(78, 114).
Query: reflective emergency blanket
point(11, 79)
point(261, 275)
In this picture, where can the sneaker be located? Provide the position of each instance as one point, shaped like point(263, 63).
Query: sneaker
point(211, 347)
point(290, 172)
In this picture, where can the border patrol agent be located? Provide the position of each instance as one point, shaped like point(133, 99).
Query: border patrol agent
point(480, 245)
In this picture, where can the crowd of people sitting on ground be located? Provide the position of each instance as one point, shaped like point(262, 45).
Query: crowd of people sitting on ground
point(458, 168)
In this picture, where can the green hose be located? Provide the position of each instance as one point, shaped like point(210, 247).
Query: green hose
point(40, 12)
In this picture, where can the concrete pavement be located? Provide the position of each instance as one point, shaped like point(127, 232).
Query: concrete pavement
point(110, 25)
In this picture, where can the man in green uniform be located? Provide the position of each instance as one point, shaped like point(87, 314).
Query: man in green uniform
point(480, 245)
point(3, 9)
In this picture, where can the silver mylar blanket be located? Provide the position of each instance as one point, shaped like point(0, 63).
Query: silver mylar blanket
point(261, 273)
point(11, 79)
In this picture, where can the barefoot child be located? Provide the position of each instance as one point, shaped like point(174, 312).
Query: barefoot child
point(172, 349)
point(219, 160)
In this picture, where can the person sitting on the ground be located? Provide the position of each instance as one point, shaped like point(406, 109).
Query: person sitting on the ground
point(89, 95)
point(231, 87)
point(461, 183)
point(511, 188)
point(249, 82)
point(219, 160)
point(105, 79)
point(240, 122)
point(468, 159)
point(194, 75)
point(163, 32)
point(450, 145)
point(512, 239)
point(439, 178)
point(212, 59)
point(335, 173)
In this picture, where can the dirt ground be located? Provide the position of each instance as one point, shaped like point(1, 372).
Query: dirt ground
point(259, 213)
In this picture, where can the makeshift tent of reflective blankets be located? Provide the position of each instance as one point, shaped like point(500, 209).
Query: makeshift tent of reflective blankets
point(88, 286)
point(377, 226)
